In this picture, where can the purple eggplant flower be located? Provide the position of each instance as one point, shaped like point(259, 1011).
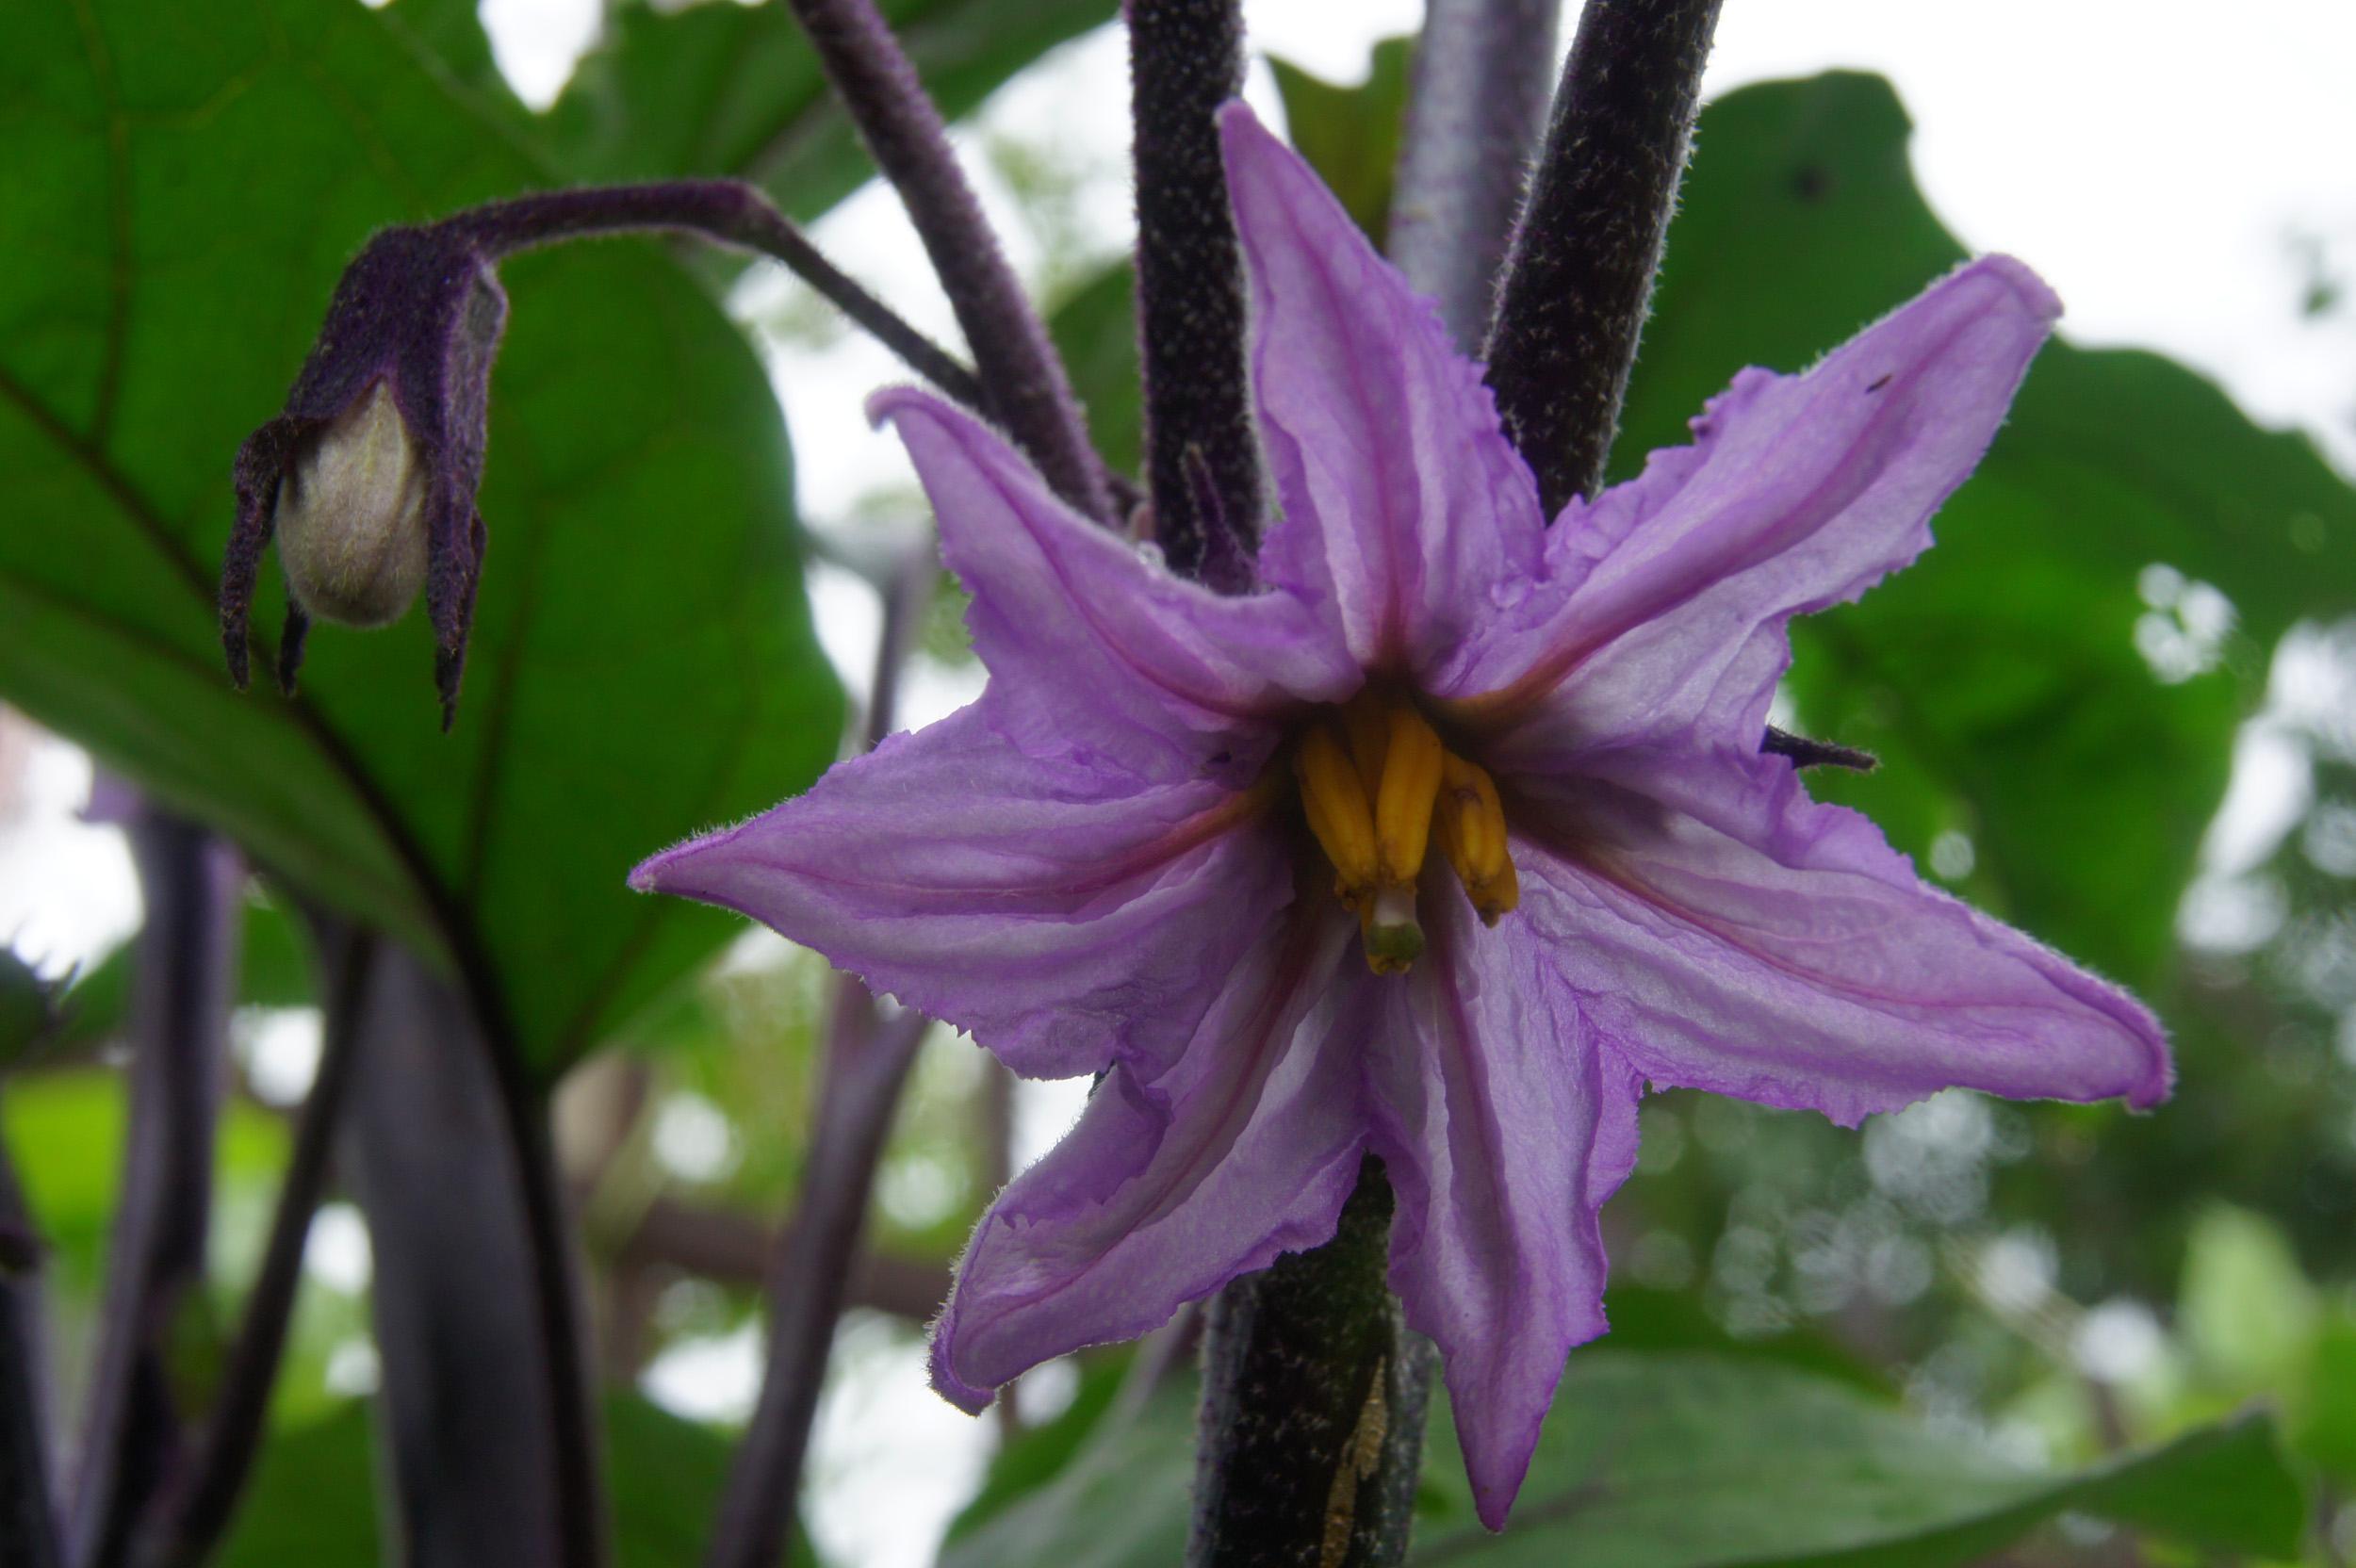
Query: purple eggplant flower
point(1440, 848)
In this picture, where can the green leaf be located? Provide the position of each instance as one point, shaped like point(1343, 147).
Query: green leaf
point(311, 1497)
point(1095, 330)
point(1997, 678)
point(722, 88)
point(642, 664)
point(666, 1473)
point(1040, 1454)
point(314, 1491)
point(1684, 1460)
point(1680, 1459)
point(2247, 1310)
point(64, 1132)
point(1122, 1501)
point(2323, 1433)
point(1351, 134)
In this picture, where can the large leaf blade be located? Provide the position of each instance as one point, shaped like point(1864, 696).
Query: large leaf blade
point(720, 88)
point(643, 664)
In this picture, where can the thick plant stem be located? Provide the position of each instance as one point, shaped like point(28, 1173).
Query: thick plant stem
point(1483, 69)
point(206, 1498)
point(1313, 1406)
point(1578, 276)
point(867, 1062)
point(134, 1430)
point(1203, 456)
point(1022, 377)
point(484, 1403)
point(728, 212)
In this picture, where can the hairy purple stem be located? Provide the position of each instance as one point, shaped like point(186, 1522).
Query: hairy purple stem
point(1476, 109)
point(28, 1512)
point(730, 213)
point(206, 1497)
point(134, 1429)
point(867, 1064)
point(1026, 383)
point(1579, 273)
point(1203, 456)
point(1313, 1406)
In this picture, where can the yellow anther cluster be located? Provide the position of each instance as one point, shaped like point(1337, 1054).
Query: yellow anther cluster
point(1469, 822)
point(1377, 787)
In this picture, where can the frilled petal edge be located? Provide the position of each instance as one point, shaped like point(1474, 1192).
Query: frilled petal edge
point(1406, 513)
point(1734, 935)
point(1089, 642)
point(1170, 1186)
point(1662, 619)
point(1505, 1120)
point(1070, 915)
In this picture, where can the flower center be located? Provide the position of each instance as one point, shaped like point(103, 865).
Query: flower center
point(1378, 789)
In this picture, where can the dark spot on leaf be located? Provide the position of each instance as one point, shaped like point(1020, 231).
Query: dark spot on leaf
point(1811, 184)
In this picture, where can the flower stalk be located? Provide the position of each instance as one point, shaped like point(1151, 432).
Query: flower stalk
point(726, 212)
point(1579, 275)
point(1185, 59)
point(1027, 388)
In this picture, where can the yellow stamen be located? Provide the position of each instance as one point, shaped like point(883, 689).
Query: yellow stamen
point(1470, 821)
point(1366, 728)
point(1378, 786)
point(1410, 783)
point(1335, 802)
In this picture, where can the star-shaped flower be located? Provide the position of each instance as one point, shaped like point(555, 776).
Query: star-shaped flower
point(1440, 847)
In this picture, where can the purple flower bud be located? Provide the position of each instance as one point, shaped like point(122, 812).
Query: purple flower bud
point(368, 478)
point(351, 519)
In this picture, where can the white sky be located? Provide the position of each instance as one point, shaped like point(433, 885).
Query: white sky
point(2163, 163)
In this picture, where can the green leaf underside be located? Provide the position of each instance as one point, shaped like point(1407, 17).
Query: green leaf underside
point(1997, 678)
point(642, 664)
point(1688, 1460)
point(722, 88)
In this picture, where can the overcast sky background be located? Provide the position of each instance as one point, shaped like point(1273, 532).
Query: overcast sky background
point(2181, 173)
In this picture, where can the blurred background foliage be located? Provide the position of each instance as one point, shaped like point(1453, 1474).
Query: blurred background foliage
point(2066, 1334)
